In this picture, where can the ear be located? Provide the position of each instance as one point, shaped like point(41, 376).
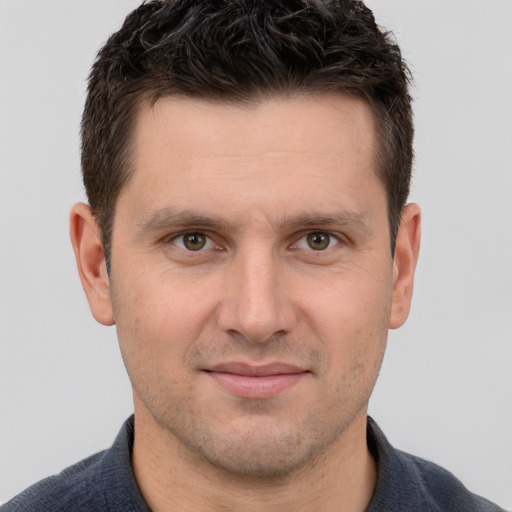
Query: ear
point(90, 260)
point(404, 264)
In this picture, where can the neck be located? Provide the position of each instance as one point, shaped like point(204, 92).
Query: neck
point(341, 479)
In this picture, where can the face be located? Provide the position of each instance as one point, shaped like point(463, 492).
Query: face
point(251, 277)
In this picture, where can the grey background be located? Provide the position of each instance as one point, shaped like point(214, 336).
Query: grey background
point(445, 391)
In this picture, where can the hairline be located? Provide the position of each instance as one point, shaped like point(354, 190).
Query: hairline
point(151, 96)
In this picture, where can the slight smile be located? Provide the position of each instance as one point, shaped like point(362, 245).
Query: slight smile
point(257, 382)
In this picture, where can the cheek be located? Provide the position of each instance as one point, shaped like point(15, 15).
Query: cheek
point(350, 317)
point(357, 302)
point(159, 316)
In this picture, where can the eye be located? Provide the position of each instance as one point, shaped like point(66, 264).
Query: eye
point(317, 241)
point(193, 241)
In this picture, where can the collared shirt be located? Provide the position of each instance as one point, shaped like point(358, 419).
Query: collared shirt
point(105, 482)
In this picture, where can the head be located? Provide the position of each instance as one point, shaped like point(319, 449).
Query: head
point(247, 165)
point(242, 52)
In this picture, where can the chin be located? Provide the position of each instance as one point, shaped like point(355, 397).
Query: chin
point(264, 459)
point(264, 451)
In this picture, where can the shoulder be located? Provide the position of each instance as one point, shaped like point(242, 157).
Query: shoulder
point(441, 489)
point(411, 484)
point(102, 482)
point(75, 488)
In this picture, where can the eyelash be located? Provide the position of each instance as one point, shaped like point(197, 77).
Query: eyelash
point(210, 244)
point(330, 236)
point(208, 240)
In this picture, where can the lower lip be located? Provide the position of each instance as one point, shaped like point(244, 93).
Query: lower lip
point(246, 386)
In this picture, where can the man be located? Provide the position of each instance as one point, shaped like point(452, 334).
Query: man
point(247, 167)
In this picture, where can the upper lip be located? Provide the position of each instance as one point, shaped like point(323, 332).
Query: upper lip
point(252, 370)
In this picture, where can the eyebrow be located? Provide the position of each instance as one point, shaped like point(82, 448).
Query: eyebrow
point(342, 218)
point(167, 218)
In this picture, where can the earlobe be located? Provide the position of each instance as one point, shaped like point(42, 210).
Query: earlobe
point(404, 264)
point(90, 261)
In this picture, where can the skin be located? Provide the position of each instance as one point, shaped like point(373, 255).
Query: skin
point(252, 183)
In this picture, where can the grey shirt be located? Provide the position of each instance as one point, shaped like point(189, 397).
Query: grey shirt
point(105, 482)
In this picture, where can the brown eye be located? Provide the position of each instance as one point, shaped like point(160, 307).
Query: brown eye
point(318, 241)
point(194, 241)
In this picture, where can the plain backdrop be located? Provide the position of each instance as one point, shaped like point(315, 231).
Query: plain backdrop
point(445, 390)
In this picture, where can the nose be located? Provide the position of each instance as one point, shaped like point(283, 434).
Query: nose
point(256, 302)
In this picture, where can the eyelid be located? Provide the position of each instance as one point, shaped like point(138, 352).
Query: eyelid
point(210, 244)
point(338, 239)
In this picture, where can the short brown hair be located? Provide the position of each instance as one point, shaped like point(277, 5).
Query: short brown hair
point(241, 51)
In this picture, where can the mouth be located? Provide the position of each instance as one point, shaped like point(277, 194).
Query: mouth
point(256, 381)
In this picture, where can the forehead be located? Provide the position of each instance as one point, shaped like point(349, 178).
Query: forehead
point(280, 146)
point(300, 123)
point(319, 124)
